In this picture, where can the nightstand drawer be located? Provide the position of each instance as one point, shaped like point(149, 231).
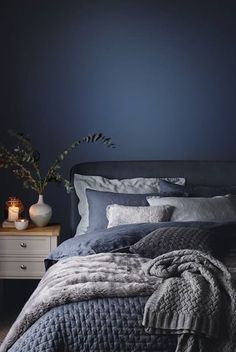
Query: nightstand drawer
point(22, 253)
point(20, 268)
point(23, 245)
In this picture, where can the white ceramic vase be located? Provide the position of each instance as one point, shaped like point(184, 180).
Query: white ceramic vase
point(40, 213)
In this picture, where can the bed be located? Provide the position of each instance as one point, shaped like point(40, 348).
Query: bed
point(126, 278)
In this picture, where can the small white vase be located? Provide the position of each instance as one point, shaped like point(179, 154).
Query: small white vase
point(40, 213)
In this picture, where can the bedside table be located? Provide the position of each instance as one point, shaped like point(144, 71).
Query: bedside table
point(22, 253)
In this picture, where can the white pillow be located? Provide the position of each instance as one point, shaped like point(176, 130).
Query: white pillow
point(98, 183)
point(123, 215)
point(216, 209)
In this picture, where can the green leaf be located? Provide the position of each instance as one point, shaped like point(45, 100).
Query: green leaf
point(24, 161)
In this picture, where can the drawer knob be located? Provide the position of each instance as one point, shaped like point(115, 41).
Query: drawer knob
point(23, 244)
point(23, 267)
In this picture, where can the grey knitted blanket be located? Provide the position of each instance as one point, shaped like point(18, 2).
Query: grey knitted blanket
point(195, 300)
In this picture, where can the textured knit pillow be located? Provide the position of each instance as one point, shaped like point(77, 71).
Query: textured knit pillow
point(169, 239)
point(122, 215)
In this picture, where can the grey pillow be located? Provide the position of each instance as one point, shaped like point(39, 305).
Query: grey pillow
point(169, 239)
point(98, 183)
point(220, 208)
point(98, 202)
point(122, 215)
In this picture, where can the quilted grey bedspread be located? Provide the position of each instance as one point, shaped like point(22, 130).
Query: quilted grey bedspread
point(73, 310)
point(88, 325)
point(98, 325)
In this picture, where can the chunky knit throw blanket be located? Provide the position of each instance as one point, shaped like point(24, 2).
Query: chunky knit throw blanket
point(194, 300)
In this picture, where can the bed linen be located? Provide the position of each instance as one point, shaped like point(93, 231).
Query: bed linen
point(120, 238)
point(98, 324)
point(219, 208)
point(137, 185)
point(78, 279)
point(168, 239)
point(125, 215)
point(168, 189)
point(98, 202)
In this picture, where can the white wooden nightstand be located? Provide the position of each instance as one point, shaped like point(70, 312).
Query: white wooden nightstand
point(22, 253)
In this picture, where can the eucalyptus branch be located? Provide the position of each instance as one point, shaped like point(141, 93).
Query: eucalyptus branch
point(25, 159)
point(23, 140)
point(91, 138)
point(28, 182)
point(10, 160)
point(29, 155)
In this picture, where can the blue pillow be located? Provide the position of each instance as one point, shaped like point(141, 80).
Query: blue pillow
point(120, 238)
point(168, 189)
point(115, 239)
point(98, 202)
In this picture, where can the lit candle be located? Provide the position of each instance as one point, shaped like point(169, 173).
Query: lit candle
point(13, 213)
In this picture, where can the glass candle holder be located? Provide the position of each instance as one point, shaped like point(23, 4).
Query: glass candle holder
point(21, 224)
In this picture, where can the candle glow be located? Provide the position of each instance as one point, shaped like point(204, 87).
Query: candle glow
point(13, 213)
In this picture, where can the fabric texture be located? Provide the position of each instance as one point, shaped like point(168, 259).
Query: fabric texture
point(98, 202)
point(210, 191)
point(220, 208)
point(169, 239)
point(96, 325)
point(195, 297)
point(120, 238)
point(81, 278)
point(183, 283)
point(168, 189)
point(98, 183)
point(115, 239)
point(121, 214)
point(197, 172)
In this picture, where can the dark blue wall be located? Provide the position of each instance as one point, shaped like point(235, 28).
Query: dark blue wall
point(156, 76)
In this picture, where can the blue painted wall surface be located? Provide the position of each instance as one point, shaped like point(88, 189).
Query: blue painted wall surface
point(156, 76)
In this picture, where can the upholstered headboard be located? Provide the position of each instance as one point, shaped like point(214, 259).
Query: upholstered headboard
point(196, 172)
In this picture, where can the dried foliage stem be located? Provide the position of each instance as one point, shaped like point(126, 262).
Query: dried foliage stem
point(24, 160)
